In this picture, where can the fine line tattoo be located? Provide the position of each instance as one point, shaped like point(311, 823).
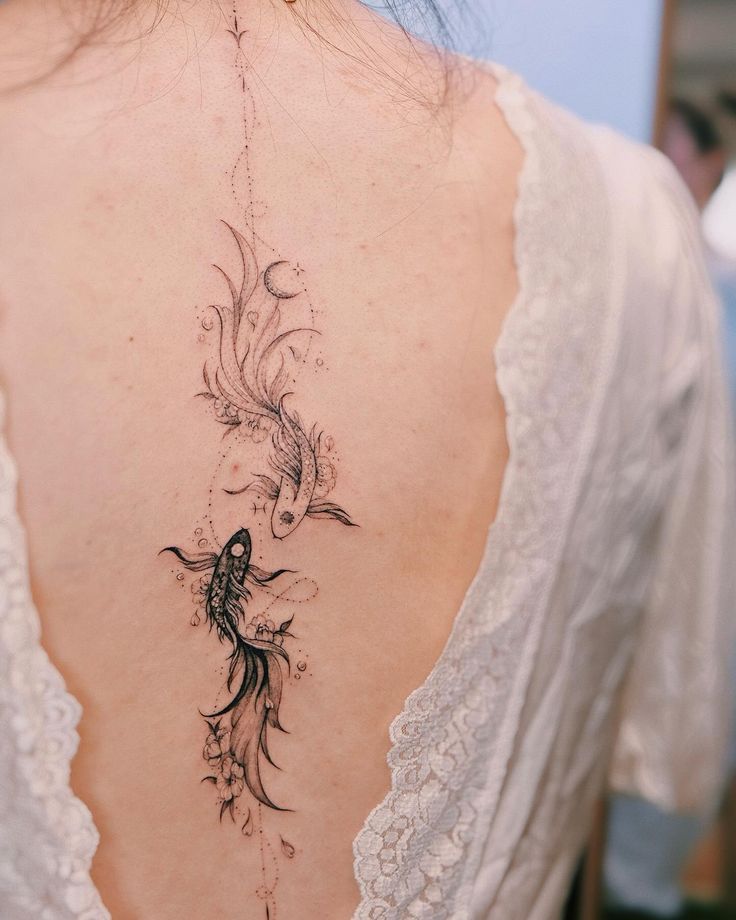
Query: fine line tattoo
point(262, 341)
point(248, 379)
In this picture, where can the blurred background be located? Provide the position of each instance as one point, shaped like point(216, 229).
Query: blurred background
point(663, 72)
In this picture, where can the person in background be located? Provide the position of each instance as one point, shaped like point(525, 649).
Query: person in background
point(648, 848)
point(695, 145)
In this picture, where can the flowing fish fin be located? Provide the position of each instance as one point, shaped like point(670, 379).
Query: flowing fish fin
point(252, 651)
point(254, 708)
point(195, 562)
point(250, 267)
point(228, 280)
point(263, 486)
point(235, 658)
point(237, 594)
point(318, 508)
point(208, 392)
point(315, 441)
point(274, 389)
point(285, 459)
point(228, 376)
point(259, 576)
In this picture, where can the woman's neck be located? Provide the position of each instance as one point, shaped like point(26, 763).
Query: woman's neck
point(57, 41)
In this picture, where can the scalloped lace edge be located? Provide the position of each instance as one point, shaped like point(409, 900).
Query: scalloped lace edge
point(511, 97)
point(44, 721)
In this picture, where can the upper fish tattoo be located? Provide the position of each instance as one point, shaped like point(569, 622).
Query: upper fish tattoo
point(250, 374)
point(262, 340)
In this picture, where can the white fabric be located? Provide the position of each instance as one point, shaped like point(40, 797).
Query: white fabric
point(602, 597)
point(47, 838)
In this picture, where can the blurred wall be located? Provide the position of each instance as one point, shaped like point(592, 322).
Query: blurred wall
point(597, 57)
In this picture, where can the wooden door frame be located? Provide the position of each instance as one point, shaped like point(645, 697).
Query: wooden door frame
point(664, 70)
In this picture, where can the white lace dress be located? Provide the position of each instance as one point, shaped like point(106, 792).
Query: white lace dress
point(593, 644)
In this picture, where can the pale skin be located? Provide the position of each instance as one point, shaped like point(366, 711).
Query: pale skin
point(112, 197)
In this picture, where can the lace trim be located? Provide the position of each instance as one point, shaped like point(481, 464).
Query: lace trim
point(417, 853)
point(47, 835)
point(401, 821)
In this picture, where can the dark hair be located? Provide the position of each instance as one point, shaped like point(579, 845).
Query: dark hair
point(699, 124)
point(727, 101)
point(427, 19)
point(109, 21)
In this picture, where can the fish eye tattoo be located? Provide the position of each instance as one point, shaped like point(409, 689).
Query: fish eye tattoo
point(262, 342)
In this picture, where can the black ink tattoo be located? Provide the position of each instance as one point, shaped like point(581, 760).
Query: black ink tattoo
point(262, 339)
point(256, 660)
point(248, 380)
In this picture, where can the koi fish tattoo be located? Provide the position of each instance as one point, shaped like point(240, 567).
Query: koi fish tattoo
point(250, 374)
point(262, 341)
point(256, 658)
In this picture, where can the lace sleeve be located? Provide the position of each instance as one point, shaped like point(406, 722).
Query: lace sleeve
point(47, 837)
point(674, 729)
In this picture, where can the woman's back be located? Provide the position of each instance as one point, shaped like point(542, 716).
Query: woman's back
point(251, 295)
point(398, 222)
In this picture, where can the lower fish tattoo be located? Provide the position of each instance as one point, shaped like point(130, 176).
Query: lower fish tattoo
point(256, 658)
